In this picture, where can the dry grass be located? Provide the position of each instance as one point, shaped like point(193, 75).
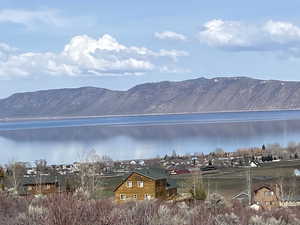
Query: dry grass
point(77, 210)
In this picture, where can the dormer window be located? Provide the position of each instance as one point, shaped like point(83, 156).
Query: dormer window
point(122, 197)
point(147, 197)
point(269, 193)
point(129, 184)
point(140, 184)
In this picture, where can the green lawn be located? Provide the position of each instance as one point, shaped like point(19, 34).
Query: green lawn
point(227, 182)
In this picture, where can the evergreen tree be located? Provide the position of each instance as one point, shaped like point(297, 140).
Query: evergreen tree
point(199, 192)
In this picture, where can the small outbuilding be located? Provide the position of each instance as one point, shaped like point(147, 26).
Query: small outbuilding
point(266, 196)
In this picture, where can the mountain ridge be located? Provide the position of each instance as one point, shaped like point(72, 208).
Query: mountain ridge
point(196, 95)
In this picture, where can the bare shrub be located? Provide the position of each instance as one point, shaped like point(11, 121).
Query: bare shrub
point(227, 219)
point(63, 209)
point(216, 202)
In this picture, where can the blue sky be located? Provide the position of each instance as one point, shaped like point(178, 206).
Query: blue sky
point(118, 44)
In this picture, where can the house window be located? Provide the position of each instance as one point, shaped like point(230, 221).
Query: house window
point(129, 184)
point(140, 184)
point(122, 197)
point(147, 197)
point(29, 188)
point(269, 193)
point(135, 196)
point(269, 203)
point(48, 186)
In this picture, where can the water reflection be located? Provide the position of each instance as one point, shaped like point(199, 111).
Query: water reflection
point(62, 145)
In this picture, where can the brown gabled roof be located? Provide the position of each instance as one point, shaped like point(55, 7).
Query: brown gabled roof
point(270, 187)
point(263, 186)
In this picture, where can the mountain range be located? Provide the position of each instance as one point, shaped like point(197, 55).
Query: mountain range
point(189, 96)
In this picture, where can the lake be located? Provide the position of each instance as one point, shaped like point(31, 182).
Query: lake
point(135, 137)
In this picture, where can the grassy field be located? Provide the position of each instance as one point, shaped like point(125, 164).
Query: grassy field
point(228, 181)
point(106, 185)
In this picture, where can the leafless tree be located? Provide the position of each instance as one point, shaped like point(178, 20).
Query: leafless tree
point(83, 169)
point(90, 166)
point(69, 209)
point(41, 165)
point(15, 173)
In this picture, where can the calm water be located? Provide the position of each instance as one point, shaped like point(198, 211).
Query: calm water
point(63, 141)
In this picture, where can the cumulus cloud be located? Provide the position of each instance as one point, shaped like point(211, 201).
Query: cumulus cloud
point(84, 55)
point(174, 54)
point(30, 18)
point(170, 35)
point(221, 33)
point(6, 50)
point(167, 69)
point(282, 32)
point(283, 37)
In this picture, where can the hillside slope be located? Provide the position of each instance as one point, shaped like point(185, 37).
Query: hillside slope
point(198, 95)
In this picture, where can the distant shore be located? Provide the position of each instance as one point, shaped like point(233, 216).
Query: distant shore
point(135, 115)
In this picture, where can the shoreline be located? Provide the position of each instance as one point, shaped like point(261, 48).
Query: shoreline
point(50, 118)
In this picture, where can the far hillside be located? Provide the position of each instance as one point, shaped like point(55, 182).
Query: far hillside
point(198, 95)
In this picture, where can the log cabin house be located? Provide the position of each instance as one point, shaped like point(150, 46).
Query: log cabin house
point(49, 184)
point(145, 184)
point(266, 196)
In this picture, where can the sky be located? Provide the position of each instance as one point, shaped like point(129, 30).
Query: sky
point(119, 44)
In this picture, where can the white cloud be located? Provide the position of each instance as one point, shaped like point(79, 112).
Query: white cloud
point(84, 55)
point(282, 32)
point(174, 54)
point(167, 69)
point(170, 35)
point(5, 51)
point(30, 18)
point(224, 33)
point(277, 36)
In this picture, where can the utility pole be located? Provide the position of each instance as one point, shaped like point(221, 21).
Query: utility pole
point(208, 194)
point(40, 182)
point(194, 186)
point(249, 178)
point(58, 184)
